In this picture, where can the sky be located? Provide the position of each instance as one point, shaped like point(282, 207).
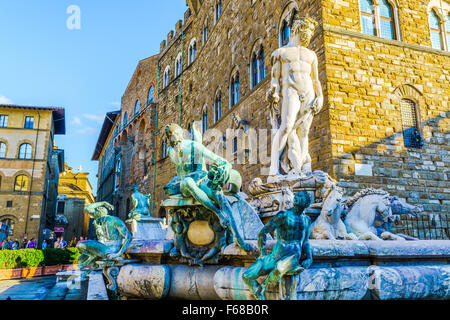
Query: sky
point(49, 57)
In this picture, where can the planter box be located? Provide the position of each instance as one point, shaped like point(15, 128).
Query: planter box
point(32, 272)
point(51, 270)
point(7, 274)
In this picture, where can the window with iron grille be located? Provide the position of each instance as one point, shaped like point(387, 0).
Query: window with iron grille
point(411, 134)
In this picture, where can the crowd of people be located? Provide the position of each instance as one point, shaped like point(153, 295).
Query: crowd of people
point(58, 243)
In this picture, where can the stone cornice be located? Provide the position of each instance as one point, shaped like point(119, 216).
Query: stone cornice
point(350, 33)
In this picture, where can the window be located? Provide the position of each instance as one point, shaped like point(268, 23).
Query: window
point(257, 67)
point(447, 29)
point(3, 121)
point(411, 134)
point(164, 149)
point(285, 33)
point(125, 119)
point(29, 122)
point(60, 207)
point(234, 90)
point(217, 11)
point(235, 144)
point(150, 95)
point(9, 204)
point(218, 107)
point(136, 108)
point(204, 120)
point(435, 30)
point(178, 65)
point(2, 150)
point(11, 223)
point(21, 183)
point(25, 151)
point(192, 51)
point(379, 19)
point(166, 79)
point(205, 32)
point(367, 17)
point(117, 172)
point(386, 20)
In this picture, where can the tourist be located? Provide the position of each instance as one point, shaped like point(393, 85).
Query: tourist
point(81, 240)
point(31, 244)
point(63, 243)
point(15, 245)
point(57, 244)
point(24, 243)
point(73, 242)
point(44, 245)
point(3, 244)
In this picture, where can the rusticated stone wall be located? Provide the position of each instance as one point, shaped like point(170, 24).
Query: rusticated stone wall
point(357, 137)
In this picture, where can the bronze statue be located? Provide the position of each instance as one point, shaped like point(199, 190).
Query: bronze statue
point(112, 234)
point(283, 264)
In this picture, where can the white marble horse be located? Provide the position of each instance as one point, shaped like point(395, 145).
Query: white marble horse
point(370, 210)
point(329, 224)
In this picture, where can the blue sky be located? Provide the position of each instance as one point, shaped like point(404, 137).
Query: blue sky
point(86, 71)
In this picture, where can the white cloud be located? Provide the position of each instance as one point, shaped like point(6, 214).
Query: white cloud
point(5, 100)
point(76, 121)
point(87, 131)
point(94, 117)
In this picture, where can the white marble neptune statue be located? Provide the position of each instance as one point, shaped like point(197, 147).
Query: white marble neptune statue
point(295, 82)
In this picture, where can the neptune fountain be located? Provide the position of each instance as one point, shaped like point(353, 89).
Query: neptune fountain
point(218, 244)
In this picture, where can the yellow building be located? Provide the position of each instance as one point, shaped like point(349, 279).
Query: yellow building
point(29, 167)
point(76, 185)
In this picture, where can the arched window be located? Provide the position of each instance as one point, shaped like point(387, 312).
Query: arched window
point(166, 79)
point(192, 51)
point(257, 67)
point(218, 107)
point(21, 183)
point(125, 119)
point(367, 17)
point(386, 20)
point(379, 19)
point(205, 32)
point(217, 10)
point(447, 30)
point(285, 33)
point(178, 66)
point(11, 223)
point(435, 30)
point(2, 150)
point(25, 151)
point(136, 108)
point(410, 124)
point(234, 90)
point(118, 172)
point(204, 120)
point(151, 95)
point(261, 64)
point(164, 149)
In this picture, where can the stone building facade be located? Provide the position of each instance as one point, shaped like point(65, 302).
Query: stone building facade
point(74, 185)
point(29, 168)
point(384, 69)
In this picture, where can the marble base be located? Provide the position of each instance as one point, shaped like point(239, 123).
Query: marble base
point(342, 270)
point(148, 229)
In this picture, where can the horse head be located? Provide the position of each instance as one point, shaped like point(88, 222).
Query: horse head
point(384, 207)
point(399, 206)
point(333, 205)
